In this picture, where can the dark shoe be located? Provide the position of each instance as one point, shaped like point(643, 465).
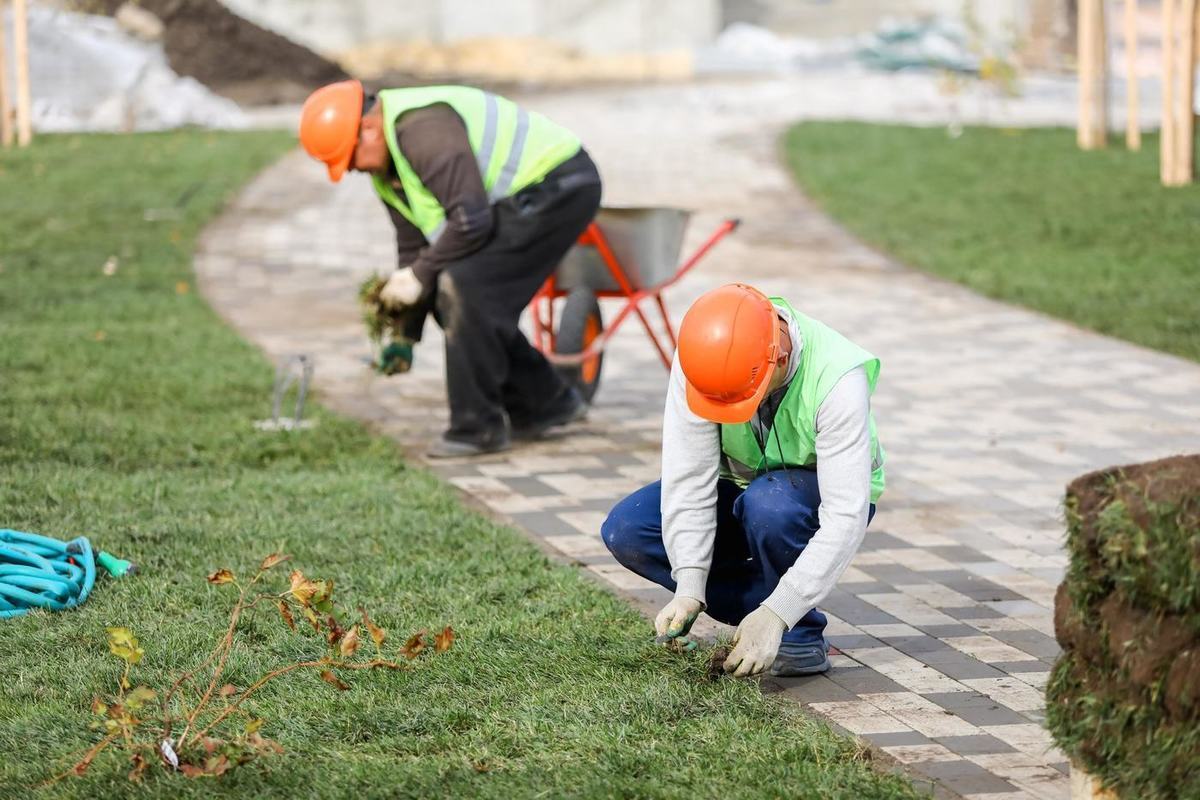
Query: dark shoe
point(454, 448)
point(570, 408)
point(800, 659)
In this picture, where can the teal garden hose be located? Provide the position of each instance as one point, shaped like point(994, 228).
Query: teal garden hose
point(40, 572)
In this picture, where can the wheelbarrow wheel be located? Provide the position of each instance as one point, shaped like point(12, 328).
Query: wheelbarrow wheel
point(578, 327)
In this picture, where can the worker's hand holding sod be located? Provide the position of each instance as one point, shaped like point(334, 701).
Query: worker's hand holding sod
point(678, 616)
point(402, 290)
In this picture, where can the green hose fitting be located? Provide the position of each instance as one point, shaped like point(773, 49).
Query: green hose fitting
point(116, 567)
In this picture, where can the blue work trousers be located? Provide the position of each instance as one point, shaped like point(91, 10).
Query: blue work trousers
point(761, 531)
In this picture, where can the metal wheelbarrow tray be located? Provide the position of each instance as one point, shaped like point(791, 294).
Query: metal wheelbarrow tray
point(629, 253)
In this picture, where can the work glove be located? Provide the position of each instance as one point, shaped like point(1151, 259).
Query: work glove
point(403, 289)
point(677, 616)
point(755, 643)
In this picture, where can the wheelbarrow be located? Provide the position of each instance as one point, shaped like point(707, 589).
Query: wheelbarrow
point(627, 253)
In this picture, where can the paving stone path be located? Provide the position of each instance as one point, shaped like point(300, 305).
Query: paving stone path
point(944, 622)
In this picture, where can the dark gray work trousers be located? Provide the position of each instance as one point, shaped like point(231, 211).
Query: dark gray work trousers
point(494, 377)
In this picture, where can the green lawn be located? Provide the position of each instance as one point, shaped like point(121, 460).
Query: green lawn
point(125, 414)
point(1023, 216)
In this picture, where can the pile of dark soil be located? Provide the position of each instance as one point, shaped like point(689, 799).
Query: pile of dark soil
point(234, 57)
point(1124, 699)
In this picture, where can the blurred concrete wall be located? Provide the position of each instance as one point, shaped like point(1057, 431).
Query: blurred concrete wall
point(819, 18)
point(593, 26)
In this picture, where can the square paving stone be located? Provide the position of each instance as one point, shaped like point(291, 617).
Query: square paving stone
point(975, 785)
point(1013, 667)
point(854, 610)
point(814, 689)
point(529, 487)
point(897, 739)
point(959, 666)
point(863, 680)
point(971, 612)
point(911, 645)
point(853, 641)
point(977, 709)
point(944, 770)
point(946, 631)
point(892, 574)
point(981, 744)
point(1033, 642)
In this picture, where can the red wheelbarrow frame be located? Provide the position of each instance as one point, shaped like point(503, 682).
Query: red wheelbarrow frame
point(541, 307)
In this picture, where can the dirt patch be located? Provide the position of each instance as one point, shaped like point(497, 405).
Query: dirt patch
point(233, 56)
point(1183, 685)
point(716, 664)
point(1143, 643)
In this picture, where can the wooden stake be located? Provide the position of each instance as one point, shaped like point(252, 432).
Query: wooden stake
point(1092, 128)
point(21, 53)
point(1133, 130)
point(1185, 132)
point(6, 110)
point(1085, 65)
point(1166, 152)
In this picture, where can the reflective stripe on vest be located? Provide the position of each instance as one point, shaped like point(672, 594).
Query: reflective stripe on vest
point(529, 145)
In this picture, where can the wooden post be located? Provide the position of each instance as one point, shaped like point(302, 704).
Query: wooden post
point(1092, 128)
point(1185, 131)
point(6, 110)
point(1084, 65)
point(1133, 130)
point(21, 53)
point(1166, 153)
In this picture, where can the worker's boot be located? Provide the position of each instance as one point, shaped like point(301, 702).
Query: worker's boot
point(800, 659)
point(455, 448)
point(569, 407)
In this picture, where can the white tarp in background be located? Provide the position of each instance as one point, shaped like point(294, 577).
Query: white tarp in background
point(86, 74)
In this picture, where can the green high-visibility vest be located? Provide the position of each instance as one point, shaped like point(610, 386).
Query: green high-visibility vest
point(825, 356)
point(514, 148)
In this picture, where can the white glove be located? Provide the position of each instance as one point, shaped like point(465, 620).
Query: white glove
point(755, 643)
point(402, 289)
point(677, 616)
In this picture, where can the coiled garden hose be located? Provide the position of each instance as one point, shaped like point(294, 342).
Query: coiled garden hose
point(40, 572)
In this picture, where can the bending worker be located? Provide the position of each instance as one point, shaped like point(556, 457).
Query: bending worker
point(486, 198)
point(770, 472)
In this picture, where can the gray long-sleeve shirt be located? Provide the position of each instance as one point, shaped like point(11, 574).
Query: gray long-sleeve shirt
point(434, 141)
point(691, 464)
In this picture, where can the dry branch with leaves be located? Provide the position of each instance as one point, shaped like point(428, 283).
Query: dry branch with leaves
point(217, 731)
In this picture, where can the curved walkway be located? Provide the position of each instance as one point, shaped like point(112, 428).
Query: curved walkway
point(944, 621)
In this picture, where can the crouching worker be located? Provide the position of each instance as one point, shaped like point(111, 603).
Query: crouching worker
point(770, 471)
point(486, 198)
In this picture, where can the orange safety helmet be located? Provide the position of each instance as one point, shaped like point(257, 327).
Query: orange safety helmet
point(329, 125)
point(728, 349)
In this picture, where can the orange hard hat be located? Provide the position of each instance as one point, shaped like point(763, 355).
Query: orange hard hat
point(728, 349)
point(329, 125)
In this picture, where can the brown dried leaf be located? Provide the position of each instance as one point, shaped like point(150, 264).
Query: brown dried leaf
point(264, 745)
point(286, 613)
point(273, 560)
point(415, 644)
point(335, 631)
point(444, 640)
point(139, 767)
point(191, 770)
point(221, 576)
point(378, 634)
point(228, 690)
point(301, 588)
point(210, 744)
point(334, 680)
point(349, 642)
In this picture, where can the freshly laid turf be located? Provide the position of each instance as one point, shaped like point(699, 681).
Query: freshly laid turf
point(125, 414)
point(1023, 216)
